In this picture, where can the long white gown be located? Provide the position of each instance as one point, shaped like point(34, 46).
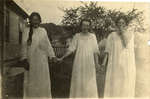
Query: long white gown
point(83, 83)
point(142, 56)
point(37, 79)
point(121, 69)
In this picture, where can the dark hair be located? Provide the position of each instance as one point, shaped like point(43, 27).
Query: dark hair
point(81, 22)
point(87, 20)
point(29, 41)
point(34, 14)
point(121, 17)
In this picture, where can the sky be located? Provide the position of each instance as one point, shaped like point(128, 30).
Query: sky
point(51, 13)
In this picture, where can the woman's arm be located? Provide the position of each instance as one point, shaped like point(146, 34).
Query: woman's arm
point(105, 59)
point(96, 58)
point(108, 47)
point(72, 47)
point(47, 46)
point(95, 50)
point(65, 55)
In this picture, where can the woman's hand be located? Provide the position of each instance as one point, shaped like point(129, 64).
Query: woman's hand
point(102, 68)
point(60, 59)
point(54, 59)
point(97, 66)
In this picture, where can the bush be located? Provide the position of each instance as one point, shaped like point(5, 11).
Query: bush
point(102, 18)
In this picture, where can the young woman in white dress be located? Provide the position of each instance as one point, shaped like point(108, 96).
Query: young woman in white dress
point(36, 48)
point(85, 47)
point(121, 69)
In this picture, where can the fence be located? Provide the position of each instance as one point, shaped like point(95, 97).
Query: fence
point(59, 49)
point(60, 72)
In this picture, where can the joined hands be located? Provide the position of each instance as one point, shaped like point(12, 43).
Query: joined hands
point(56, 60)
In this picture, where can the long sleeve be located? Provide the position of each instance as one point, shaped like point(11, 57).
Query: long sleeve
point(95, 45)
point(109, 43)
point(47, 45)
point(108, 49)
point(73, 44)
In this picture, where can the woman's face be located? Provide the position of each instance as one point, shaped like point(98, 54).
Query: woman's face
point(35, 21)
point(85, 26)
point(121, 24)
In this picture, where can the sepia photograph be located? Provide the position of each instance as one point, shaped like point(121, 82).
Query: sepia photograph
point(77, 49)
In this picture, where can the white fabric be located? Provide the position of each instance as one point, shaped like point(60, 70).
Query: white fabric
point(83, 83)
point(142, 53)
point(37, 79)
point(142, 58)
point(121, 71)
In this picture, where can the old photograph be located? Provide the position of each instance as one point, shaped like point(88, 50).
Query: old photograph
point(74, 49)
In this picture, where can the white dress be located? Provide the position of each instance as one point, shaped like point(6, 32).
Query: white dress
point(83, 83)
point(142, 56)
point(37, 79)
point(121, 70)
point(142, 59)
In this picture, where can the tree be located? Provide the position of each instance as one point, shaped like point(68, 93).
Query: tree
point(102, 18)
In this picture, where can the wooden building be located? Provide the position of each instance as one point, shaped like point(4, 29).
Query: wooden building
point(13, 20)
